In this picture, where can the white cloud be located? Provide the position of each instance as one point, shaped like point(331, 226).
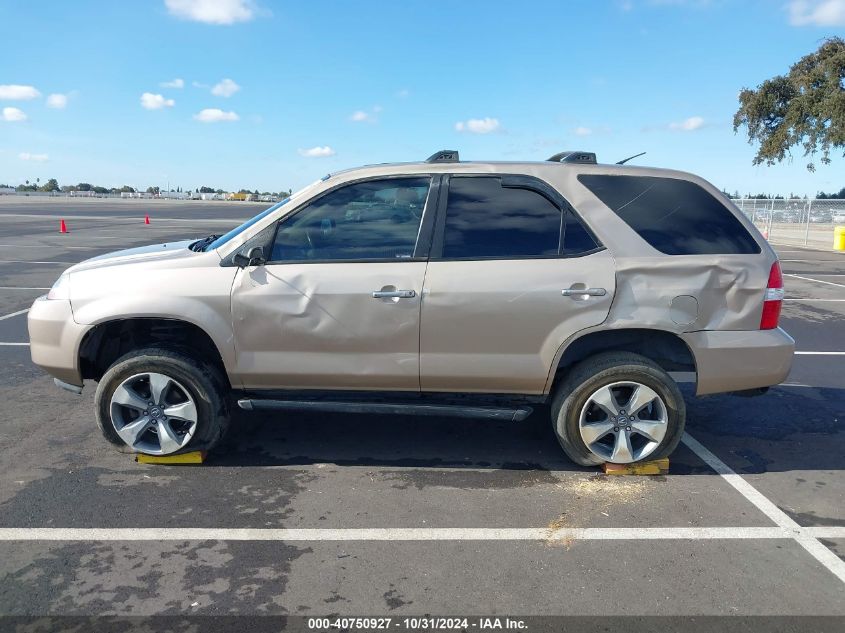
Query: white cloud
point(583, 131)
point(688, 125)
point(404, 93)
point(151, 101)
point(57, 101)
point(225, 88)
point(15, 92)
point(38, 158)
point(478, 126)
point(176, 83)
point(363, 116)
point(212, 11)
point(317, 152)
point(13, 114)
point(817, 12)
point(199, 84)
point(213, 115)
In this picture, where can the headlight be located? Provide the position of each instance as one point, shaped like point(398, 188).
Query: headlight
point(60, 289)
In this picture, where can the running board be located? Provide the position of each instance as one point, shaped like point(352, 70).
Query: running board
point(454, 411)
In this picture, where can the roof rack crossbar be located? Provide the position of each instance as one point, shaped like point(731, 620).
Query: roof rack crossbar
point(584, 158)
point(444, 156)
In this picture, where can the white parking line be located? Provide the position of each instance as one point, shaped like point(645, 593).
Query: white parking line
point(20, 288)
point(818, 281)
point(29, 261)
point(815, 300)
point(14, 344)
point(13, 314)
point(126, 219)
point(87, 248)
point(819, 353)
point(803, 536)
point(813, 261)
point(414, 534)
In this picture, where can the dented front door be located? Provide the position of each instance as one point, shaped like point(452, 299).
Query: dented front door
point(344, 325)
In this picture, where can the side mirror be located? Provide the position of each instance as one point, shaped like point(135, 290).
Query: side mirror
point(255, 257)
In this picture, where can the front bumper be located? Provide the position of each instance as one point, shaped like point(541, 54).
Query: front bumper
point(738, 361)
point(54, 338)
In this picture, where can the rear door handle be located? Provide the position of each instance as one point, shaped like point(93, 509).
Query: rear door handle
point(580, 292)
point(394, 294)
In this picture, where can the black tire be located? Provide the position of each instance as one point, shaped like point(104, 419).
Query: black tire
point(207, 388)
point(591, 374)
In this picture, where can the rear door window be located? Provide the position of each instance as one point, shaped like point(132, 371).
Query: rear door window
point(676, 217)
point(576, 238)
point(486, 220)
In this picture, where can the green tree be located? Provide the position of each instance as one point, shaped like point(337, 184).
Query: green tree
point(50, 185)
point(804, 107)
point(153, 190)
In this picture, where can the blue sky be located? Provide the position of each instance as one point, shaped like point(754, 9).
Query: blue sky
point(320, 85)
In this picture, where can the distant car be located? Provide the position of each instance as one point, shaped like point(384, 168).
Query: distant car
point(838, 217)
point(821, 217)
point(788, 216)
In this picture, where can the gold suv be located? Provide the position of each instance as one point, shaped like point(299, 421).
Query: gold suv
point(449, 288)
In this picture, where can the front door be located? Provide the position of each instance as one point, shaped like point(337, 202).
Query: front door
point(337, 305)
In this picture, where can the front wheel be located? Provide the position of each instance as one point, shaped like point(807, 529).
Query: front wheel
point(161, 402)
point(619, 408)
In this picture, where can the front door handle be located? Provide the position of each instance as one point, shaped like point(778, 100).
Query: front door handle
point(394, 294)
point(580, 292)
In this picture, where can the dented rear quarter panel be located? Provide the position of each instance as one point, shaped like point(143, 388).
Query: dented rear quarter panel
point(729, 289)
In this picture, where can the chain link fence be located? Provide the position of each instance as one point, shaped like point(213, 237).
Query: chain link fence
point(796, 221)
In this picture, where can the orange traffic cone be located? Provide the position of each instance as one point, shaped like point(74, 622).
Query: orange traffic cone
point(63, 227)
point(146, 219)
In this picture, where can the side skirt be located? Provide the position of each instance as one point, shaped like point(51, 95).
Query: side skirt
point(495, 407)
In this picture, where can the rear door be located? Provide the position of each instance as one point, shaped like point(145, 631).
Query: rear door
point(513, 273)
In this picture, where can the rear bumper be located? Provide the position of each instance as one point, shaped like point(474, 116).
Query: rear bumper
point(53, 339)
point(736, 361)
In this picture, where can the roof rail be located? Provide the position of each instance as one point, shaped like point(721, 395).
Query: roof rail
point(584, 158)
point(444, 156)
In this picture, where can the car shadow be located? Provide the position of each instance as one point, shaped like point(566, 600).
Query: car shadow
point(297, 438)
point(787, 429)
point(783, 430)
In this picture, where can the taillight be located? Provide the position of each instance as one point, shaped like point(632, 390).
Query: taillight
point(773, 299)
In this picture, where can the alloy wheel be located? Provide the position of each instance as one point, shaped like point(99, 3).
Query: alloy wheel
point(623, 422)
point(153, 413)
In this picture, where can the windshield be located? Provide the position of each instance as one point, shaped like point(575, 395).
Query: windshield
point(220, 241)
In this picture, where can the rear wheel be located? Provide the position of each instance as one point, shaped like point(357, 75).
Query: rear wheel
point(620, 408)
point(161, 402)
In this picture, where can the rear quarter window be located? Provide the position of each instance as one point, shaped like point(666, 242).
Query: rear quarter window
point(676, 217)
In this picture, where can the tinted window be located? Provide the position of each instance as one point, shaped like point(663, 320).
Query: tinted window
point(378, 219)
point(484, 219)
point(576, 237)
point(677, 217)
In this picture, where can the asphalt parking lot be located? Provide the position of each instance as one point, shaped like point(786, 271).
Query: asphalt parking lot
point(357, 515)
